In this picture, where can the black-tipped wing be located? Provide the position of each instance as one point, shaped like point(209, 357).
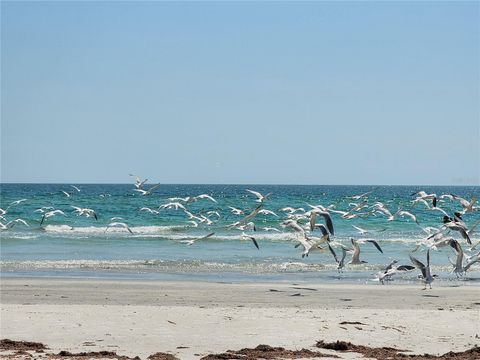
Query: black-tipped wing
point(376, 245)
point(419, 265)
point(328, 222)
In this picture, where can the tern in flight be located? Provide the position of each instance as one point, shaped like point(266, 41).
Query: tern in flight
point(50, 214)
point(260, 198)
point(85, 212)
point(191, 242)
point(147, 192)
point(356, 250)
point(119, 225)
point(427, 277)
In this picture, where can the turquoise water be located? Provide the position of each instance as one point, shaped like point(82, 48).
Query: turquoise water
point(77, 246)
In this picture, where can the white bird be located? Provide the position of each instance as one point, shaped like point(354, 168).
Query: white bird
point(66, 193)
point(325, 215)
point(260, 198)
point(470, 261)
point(16, 202)
point(358, 197)
point(191, 242)
point(172, 205)
point(356, 250)
point(12, 223)
point(76, 188)
point(205, 196)
point(50, 214)
point(383, 209)
point(292, 210)
point(85, 212)
point(360, 230)
point(44, 209)
point(267, 212)
point(404, 213)
point(294, 225)
point(422, 195)
point(458, 265)
point(151, 211)
point(139, 183)
point(147, 192)
point(467, 205)
point(391, 270)
point(119, 225)
point(247, 218)
point(427, 277)
point(236, 211)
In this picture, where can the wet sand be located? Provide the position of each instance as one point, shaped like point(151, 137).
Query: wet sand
point(194, 319)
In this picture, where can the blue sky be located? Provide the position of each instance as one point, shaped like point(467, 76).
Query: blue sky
point(281, 93)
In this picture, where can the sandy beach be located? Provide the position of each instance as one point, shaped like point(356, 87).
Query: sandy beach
point(193, 319)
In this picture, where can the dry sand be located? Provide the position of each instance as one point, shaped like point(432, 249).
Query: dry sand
point(194, 319)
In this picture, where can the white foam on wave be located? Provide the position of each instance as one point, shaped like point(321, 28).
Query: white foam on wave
point(100, 230)
point(158, 265)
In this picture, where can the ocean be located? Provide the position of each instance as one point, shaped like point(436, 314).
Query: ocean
point(157, 248)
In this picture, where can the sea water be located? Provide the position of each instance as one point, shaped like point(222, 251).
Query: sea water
point(79, 246)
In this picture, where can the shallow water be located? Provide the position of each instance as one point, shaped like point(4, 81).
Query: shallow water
point(76, 246)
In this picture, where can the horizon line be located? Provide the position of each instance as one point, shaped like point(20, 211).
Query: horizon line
point(224, 184)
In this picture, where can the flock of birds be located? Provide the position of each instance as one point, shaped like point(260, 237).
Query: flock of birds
point(305, 224)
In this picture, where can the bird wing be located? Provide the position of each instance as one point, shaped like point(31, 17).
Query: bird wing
point(419, 265)
point(256, 193)
point(376, 245)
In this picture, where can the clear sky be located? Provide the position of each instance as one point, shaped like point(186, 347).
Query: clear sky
point(225, 92)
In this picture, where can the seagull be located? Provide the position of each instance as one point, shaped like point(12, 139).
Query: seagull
point(358, 197)
point(456, 226)
point(360, 230)
point(294, 225)
point(391, 269)
point(341, 262)
point(172, 205)
point(326, 216)
point(191, 242)
point(50, 214)
point(85, 212)
point(292, 210)
point(205, 196)
point(236, 211)
point(119, 225)
point(267, 212)
point(467, 205)
point(66, 194)
point(424, 196)
point(12, 223)
point(383, 209)
point(139, 183)
point(426, 275)
point(147, 192)
point(403, 213)
point(247, 218)
point(76, 188)
point(16, 202)
point(151, 211)
point(472, 260)
point(356, 250)
point(458, 265)
point(260, 198)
